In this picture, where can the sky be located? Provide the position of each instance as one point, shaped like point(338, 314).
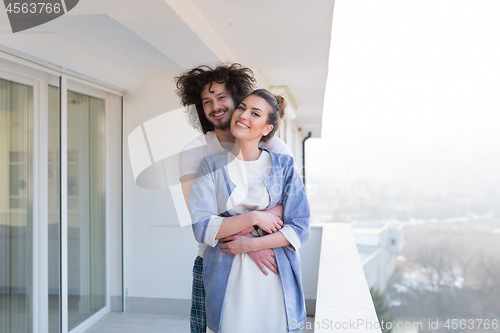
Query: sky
point(413, 93)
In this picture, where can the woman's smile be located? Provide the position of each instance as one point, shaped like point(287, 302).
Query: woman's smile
point(250, 119)
point(241, 125)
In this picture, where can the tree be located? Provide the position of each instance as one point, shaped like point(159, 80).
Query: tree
point(381, 308)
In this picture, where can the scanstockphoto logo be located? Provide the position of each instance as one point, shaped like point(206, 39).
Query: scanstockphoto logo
point(26, 14)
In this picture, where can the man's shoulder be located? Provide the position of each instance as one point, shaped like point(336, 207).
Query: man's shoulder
point(193, 153)
point(196, 142)
point(199, 141)
point(277, 145)
point(214, 162)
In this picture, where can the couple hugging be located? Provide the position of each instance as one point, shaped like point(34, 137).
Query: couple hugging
point(248, 206)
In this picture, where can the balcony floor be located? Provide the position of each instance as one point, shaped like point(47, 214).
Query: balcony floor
point(116, 322)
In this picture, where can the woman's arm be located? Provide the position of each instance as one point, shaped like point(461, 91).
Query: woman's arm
point(296, 214)
point(208, 227)
point(245, 222)
point(187, 182)
point(267, 220)
point(241, 244)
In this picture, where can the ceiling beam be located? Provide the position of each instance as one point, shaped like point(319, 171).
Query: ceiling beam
point(192, 17)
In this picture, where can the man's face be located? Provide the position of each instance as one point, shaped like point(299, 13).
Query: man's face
point(217, 104)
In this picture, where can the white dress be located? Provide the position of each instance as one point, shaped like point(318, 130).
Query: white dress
point(253, 302)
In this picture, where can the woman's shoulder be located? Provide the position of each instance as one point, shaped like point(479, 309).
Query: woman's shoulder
point(283, 164)
point(282, 159)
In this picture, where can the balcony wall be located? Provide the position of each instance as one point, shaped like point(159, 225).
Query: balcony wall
point(343, 300)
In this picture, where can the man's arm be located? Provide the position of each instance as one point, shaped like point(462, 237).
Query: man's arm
point(186, 185)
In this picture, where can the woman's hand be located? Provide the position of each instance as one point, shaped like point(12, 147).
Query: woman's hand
point(237, 244)
point(247, 231)
point(268, 222)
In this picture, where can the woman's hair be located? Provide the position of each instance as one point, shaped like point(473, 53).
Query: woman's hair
point(277, 105)
point(239, 82)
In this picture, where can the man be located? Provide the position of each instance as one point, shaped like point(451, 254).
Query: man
point(216, 93)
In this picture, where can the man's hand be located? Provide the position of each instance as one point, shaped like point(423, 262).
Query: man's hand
point(237, 244)
point(265, 258)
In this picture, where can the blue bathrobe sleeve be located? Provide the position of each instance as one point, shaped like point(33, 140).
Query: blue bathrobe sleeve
point(203, 204)
point(295, 204)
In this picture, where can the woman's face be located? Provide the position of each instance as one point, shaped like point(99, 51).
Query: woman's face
point(249, 120)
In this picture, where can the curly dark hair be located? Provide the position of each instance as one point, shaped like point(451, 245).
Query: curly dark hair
point(239, 82)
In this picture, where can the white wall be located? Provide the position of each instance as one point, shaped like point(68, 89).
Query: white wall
point(159, 254)
point(309, 259)
point(380, 265)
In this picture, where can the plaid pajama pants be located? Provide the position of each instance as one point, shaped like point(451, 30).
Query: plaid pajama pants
point(198, 320)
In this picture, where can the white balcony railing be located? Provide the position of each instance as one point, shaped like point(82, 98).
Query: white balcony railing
point(343, 302)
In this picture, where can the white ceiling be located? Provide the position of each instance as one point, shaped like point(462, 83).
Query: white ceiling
point(286, 42)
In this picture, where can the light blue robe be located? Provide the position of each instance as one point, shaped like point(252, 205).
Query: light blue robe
point(208, 198)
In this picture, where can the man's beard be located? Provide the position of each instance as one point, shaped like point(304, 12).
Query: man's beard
point(224, 124)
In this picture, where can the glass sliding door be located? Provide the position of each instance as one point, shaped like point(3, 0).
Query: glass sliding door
point(54, 212)
point(53, 198)
point(85, 178)
point(86, 206)
point(16, 113)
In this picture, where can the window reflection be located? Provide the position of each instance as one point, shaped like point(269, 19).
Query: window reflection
point(16, 112)
point(86, 245)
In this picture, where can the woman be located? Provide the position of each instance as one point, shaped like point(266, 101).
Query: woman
point(239, 298)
